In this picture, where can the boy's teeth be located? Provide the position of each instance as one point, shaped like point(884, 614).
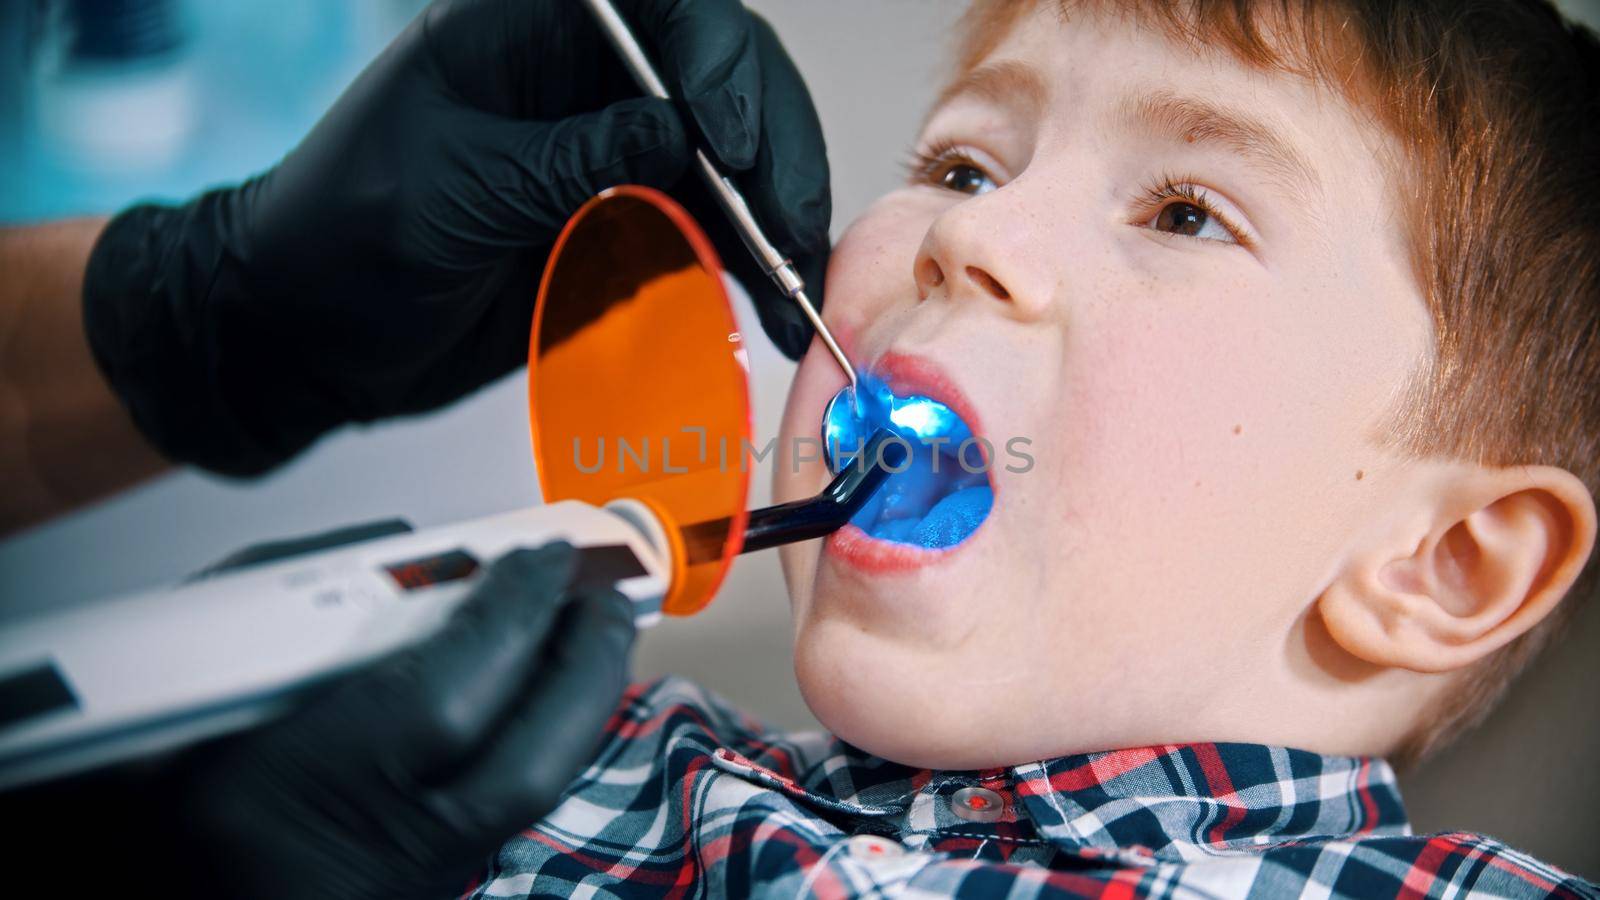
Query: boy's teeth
point(871, 512)
point(965, 478)
point(918, 488)
point(898, 505)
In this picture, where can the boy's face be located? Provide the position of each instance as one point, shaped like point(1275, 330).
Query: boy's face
point(1199, 390)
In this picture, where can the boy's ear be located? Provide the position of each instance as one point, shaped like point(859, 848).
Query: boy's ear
point(1488, 556)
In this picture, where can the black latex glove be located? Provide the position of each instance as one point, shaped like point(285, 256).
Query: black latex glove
point(402, 780)
point(389, 263)
point(398, 781)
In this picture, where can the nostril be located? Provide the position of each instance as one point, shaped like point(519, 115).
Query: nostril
point(931, 274)
point(986, 281)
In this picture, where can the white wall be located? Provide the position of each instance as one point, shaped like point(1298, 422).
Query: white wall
point(872, 66)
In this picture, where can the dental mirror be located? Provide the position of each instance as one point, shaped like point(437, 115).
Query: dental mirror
point(846, 425)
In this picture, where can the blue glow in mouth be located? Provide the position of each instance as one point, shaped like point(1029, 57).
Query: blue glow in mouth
point(936, 501)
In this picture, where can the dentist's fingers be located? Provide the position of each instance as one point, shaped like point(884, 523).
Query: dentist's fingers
point(542, 172)
point(558, 724)
point(400, 780)
point(710, 62)
point(429, 707)
point(788, 187)
point(789, 192)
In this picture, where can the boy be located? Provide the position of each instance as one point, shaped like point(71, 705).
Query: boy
point(1295, 304)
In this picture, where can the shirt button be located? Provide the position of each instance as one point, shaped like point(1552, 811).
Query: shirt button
point(976, 804)
point(870, 846)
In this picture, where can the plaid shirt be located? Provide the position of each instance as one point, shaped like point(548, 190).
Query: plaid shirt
point(688, 798)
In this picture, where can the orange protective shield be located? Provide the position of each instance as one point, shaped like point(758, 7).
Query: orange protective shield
point(637, 381)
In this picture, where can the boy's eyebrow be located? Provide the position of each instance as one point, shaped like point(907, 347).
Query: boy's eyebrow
point(1198, 121)
point(1020, 87)
point(1005, 83)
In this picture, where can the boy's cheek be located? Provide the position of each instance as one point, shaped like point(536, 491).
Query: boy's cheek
point(870, 269)
point(1198, 444)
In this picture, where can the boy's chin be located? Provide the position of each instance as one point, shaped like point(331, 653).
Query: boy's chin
point(905, 704)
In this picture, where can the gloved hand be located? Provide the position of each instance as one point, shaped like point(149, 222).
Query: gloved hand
point(398, 781)
point(402, 779)
point(389, 263)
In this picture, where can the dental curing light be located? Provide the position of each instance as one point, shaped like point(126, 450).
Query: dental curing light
point(934, 499)
point(640, 419)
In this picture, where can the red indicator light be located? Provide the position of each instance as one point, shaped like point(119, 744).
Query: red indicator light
point(414, 574)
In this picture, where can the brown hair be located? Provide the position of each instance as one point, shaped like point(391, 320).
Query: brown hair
point(1496, 108)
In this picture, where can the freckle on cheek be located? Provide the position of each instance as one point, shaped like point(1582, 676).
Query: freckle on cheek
point(1360, 474)
point(1238, 429)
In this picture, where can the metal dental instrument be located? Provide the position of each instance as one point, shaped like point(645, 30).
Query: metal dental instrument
point(777, 266)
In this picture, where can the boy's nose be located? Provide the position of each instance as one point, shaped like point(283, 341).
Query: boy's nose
point(930, 276)
point(964, 257)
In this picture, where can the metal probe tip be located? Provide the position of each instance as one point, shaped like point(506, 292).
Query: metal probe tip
point(828, 341)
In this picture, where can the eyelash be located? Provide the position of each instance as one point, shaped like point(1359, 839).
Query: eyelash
point(929, 166)
point(1157, 193)
point(922, 163)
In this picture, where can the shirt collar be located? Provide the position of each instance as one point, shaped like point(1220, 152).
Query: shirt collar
point(1172, 802)
point(1187, 800)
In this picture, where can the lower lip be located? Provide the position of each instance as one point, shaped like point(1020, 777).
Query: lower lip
point(865, 552)
point(906, 375)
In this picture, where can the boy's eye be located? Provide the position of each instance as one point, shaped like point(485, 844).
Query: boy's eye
point(952, 168)
point(1186, 209)
point(966, 178)
point(1182, 217)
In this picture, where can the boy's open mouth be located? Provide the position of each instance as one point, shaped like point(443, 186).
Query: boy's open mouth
point(935, 503)
point(942, 493)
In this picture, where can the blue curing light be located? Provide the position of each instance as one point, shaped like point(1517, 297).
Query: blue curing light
point(940, 495)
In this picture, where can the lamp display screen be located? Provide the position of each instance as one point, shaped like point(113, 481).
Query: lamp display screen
point(428, 571)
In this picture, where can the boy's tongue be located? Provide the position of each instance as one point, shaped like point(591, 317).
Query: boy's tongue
point(935, 502)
